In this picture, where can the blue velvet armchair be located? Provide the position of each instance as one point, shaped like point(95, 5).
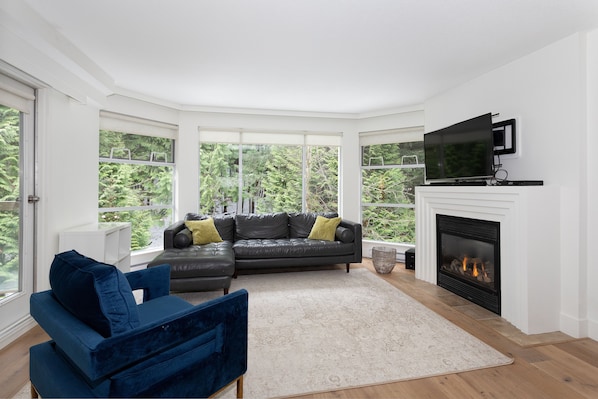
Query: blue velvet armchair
point(104, 344)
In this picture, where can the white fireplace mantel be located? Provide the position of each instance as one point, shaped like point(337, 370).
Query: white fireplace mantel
point(529, 244)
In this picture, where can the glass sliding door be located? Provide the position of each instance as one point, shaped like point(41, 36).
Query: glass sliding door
point(17, 201)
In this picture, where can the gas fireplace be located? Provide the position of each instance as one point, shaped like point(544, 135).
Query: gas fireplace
point(469, 259)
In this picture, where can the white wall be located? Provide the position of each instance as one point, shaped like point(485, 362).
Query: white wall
point(591, 183)
point(545, 91)
point(67, 172)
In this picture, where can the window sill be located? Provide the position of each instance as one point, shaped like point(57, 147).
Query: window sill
point(144, 256)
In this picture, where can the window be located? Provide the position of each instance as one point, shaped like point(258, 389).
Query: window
point(392, 165)
point(137, 177)
point(246, 172)
point(9, 205)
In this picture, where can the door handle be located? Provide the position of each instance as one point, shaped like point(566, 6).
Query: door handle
point(32, 199)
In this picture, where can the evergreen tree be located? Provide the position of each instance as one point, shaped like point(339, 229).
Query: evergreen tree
point(282, 182)
point(9, 191)
point(322, 178)
point(219, 175)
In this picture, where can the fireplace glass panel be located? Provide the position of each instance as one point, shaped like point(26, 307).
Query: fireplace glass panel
point(468, 259)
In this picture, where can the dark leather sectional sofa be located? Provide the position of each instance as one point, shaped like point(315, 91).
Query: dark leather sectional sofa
point(253, 241)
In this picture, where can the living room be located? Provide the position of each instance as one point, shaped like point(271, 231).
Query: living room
point(551, 91)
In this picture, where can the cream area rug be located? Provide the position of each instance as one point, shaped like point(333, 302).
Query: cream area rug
point(327, 330)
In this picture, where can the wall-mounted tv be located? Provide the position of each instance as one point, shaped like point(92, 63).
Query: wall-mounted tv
point(463, 151)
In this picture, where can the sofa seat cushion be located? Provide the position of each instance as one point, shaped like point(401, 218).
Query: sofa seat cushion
point(289, 248)
point(160, 308)
point(209, 260)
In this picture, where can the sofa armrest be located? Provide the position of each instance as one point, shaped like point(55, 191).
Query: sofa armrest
point(357, 231)
point(172, 231)
point(154, 281)
point(222, 320)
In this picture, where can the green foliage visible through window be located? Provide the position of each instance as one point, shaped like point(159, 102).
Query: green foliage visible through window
point(390, 173)
point(268, 178)
point(9, 192)
point(136, 184)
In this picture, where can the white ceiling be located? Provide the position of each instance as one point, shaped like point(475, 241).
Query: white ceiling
point(344, 56)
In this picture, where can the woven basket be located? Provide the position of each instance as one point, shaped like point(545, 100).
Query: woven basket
point(384, 259)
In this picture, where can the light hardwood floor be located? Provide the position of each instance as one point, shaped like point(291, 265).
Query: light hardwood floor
point(546, 365)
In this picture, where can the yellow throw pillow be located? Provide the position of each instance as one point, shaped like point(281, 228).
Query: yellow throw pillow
point(203, 231)
point(324, 228)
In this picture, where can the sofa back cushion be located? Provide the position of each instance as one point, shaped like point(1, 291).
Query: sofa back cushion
point(96, 293)
point(225, 224)
point(262, 226)
point(300, 224)
point(226, 227)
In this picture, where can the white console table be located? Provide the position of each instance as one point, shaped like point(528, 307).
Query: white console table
point(105, 242)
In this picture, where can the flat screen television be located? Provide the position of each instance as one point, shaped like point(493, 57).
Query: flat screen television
point(463, 151)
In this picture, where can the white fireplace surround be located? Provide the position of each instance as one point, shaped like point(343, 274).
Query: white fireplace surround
point(529, 244)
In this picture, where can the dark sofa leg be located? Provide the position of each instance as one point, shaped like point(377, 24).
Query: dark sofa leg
point(226, 291)
point(348, 264)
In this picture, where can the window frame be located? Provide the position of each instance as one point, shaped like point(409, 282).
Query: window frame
point(392, 136)
point(126, 124)
point(303, 139)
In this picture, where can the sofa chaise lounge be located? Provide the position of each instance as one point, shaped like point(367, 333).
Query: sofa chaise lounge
point(254, 241)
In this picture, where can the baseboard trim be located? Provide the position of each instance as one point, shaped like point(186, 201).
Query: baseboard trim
point(593, 329)
point(577, 328)
point(14, 331)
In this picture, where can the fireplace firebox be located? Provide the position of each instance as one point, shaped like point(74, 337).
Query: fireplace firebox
point(468, 253)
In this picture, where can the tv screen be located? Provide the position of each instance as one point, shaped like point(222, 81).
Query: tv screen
point(463, 151)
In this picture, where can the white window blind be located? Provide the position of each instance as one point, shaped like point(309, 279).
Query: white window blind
point(266, 137)
point(129, 124)
point(403, 135)
point(16, 95)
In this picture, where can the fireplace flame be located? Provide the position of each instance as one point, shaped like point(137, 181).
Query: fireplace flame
point(475, 272)
point(471, 267)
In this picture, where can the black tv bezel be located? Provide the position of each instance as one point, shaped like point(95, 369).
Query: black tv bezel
point(463, 126)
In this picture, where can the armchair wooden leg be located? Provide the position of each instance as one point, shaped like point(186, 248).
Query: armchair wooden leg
point(239, 382)
point(348, 264)
point(240, 387)
point(34, 394)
